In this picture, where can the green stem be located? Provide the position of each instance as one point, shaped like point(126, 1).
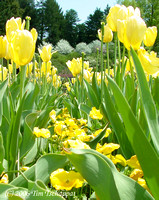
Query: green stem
point(115, 53)
point(107, 45)
point(82, 81)
point(122, 67)
point(14, 71)
point(1, 68)
point(131, 69)
point(97, 61)
point(22, 80)
point(34, 69)
point(102, 31)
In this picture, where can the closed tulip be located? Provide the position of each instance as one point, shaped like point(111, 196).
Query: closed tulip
point(149, 62)
point(75, 66)
point(22, 47)
point(108, 34)
point(150, 36)
point(135, 31)
point(45, 53)
point(6, 48)
point(12, 25)
point(2, 51)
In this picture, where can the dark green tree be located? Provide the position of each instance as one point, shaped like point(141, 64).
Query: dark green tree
point(29, 9)
point(70, 26)
point(8, 9)
point(81, 33)
point(53, 21)
point(93, 24)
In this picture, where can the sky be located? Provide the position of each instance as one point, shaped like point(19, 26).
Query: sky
point(84, 7)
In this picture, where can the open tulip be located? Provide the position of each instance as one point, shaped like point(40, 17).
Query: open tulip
point(45, 53)
point(149, 62)
point(22, 47)
point(150, 36)
point(108, 34)
point(116, 12)
point(75, 66)
point(12, 25)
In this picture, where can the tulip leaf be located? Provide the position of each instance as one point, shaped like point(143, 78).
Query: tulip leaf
point(92, 95)
point(28, 139)
point(93, 143)
point(3, 87)
point(147, 100)
point(20, 181)
point(2, 153)
point(117, 125)
point(47, 164)
point(104, 178)
point(39, 190)
point(147, 156)
point(3, 190)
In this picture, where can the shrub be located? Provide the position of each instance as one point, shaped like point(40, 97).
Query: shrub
point(63, 47)
point(94, 45)
point(83, 47)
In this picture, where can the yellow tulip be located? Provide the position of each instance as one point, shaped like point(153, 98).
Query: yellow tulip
point(22, 47)
point(75, 66)
point(5, 73)
point(6, 48)
point(150, 36)
point(132, 11)
point(45, 53)
point(135, 31)
point(2, 50)
point(149, 62)
point(116, 12)
point(12, 25)
point(108, 34)
point(43, 67)
point(121, 30)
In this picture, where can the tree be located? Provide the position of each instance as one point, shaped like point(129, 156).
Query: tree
point(93, 24)
point(53, 21)
point(29, 9)
point(70, 26)
point(8, 9)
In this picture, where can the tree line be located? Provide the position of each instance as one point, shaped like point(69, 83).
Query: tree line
point(50, 21)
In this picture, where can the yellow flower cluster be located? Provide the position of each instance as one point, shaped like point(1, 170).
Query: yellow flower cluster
point(44, 133)
point(95, 114)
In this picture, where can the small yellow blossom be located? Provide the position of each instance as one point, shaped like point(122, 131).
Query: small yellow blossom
point(108, 148)
point(45, 133)
point(52, 116)
point(142, 182)
point(136, 173)
point(77, 144)
point(4, 178)
point(95, 114)
point(24, 168)
point(133, 162)
point(117, 159)
point(64, 180)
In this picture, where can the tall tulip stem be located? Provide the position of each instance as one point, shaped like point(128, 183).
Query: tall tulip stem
point(102, 31)
point(22, 80)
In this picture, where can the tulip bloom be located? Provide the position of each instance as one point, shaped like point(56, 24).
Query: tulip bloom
point(75, 66)
point(13, 25)
point(22, 47)
point(149, 62)
point(6, 48)
point(135, 31)
point(150, 36)
point(45, 53)
point(2, 51)
point(116, 12)
point(108, 34)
